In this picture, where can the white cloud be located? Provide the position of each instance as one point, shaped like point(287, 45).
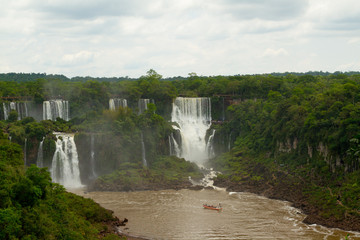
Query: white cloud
point(118, 37)
point(352, 66)
point(354, 40)
point(269, 52)
point(79, 58)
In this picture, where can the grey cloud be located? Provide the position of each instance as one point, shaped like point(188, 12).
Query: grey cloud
point(275, 10)
point(66, 27)
point(263, 27)
point(93, 37)
point(348, 23)
point(79, 9)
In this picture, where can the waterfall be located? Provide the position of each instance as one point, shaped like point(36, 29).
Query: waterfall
point(92, 156)
point(19, 107)
point(193, 115)
point(56, 108)
point(143, 150)
point(65, 163)
point(210, 146)
point(115, 103)
point(6, 112)
point(13, 107)
point(174, 146)
point(26, 110)
point(40, 155)
point(142, 104)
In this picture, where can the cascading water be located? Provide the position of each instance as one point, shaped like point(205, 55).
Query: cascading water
point(92, 156)
point(19, 107)
point(6, 112)
point(142, 104)
point(115, 103)
point(40, 155)
point(174, 146)
point(143, 151)
point(209, 145)
point(56, 108)
point(193, 116)
point(65, 163)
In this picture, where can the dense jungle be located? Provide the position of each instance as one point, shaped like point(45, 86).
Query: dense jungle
point(288, 136)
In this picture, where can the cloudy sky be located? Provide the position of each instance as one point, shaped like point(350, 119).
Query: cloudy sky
point(175, 37)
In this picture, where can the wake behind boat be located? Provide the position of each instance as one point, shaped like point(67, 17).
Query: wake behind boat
point(211, 207)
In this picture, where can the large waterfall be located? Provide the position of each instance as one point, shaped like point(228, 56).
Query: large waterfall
point(193, 116)
point(115, 103)
point(65, 163)
point(19, 107)
point(56, 108)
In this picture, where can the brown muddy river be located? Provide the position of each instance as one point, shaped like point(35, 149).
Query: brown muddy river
point(174, 214)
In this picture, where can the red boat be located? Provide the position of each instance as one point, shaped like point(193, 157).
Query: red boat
point(211, 207)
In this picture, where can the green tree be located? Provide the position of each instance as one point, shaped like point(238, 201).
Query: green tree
point(13, 116)
point(10, 223)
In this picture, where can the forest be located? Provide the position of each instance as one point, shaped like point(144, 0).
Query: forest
point(282, 131)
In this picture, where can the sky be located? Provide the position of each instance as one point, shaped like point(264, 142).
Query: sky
point(118, 38)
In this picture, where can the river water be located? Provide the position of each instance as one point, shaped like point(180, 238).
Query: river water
point(174, 214)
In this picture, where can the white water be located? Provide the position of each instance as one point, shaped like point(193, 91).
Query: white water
point(56, 108)
point(193, 115)
point(174, 146)
point(115, 103)
point(65, 163)
point(142, 105)
point(143, 151)
point(40, 155)
point(92, 156)
point(6, 111)
point(209, 145)
point(19, 107)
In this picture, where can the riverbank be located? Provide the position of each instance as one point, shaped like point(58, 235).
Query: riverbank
point(322, 204)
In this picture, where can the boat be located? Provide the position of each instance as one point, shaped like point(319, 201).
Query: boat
point(211, 207)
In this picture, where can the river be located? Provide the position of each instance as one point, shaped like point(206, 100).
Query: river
point(174, 214)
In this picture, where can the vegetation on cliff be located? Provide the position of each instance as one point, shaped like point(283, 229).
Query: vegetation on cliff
point(298, 132)
point(307, 133)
